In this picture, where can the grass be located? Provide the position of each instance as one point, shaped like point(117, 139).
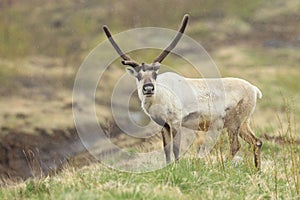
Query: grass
point(64, 29)
point(190, 178)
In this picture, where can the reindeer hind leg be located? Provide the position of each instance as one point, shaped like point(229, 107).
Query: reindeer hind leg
point(247, 134)
point(234, 142)
point(232, 124)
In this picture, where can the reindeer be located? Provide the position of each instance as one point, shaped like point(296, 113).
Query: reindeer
point(221, 103)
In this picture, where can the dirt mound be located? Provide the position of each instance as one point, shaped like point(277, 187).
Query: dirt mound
point(24, 155)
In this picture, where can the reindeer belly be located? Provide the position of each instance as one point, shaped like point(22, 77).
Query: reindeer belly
point(169, 117)
point(196, 121)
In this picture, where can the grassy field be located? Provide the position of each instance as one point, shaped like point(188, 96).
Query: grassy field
point(190, 178)
point(42, 45)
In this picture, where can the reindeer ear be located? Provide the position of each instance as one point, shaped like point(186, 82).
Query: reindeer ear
point(131, 71)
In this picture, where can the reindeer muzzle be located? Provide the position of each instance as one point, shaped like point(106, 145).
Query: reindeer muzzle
point(148, 89)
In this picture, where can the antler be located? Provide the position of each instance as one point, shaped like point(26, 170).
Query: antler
point(126, 59)
point(171, 46)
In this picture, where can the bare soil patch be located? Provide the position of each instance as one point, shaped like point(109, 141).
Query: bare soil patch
point(24, 155)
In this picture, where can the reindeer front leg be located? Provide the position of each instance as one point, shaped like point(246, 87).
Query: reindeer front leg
point(166, 135)
point(176, 133)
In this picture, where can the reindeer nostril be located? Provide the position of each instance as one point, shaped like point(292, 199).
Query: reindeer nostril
point(149, 87)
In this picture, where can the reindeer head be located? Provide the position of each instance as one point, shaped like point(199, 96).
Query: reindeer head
point(146, 73)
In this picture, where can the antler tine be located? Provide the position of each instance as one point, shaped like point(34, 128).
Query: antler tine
point(167, 50)
point(126, 58)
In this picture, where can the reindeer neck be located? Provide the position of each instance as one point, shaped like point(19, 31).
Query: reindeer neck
point(147, 102)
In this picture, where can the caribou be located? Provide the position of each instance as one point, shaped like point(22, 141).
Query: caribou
point(202, 104)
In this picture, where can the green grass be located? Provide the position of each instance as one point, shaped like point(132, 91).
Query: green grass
point(66, 28)
point(190, 178)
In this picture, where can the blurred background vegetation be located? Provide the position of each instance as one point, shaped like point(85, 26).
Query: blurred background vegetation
point(43, 43)
point(68, 28)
